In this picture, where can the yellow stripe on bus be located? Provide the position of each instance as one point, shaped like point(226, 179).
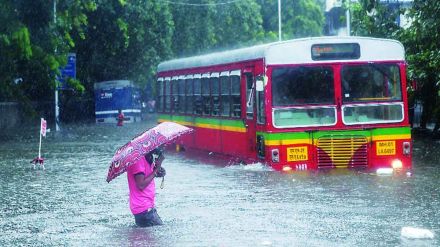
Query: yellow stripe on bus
point(179, 122)
point(287, 142)
point(391, 137)
point(234, 129)
point(219, 127)
point(207, 126)
point(307, 141)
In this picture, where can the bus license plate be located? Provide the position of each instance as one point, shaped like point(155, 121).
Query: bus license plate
point(297, 154)
point(385, 147)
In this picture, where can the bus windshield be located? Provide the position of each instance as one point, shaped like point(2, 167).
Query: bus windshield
point(302, 85)
point(370, 82)
point(371, 94)
point(295, 87)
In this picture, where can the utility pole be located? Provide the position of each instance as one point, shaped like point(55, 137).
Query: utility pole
point(57, 108)
point(279, 20)
point(347, 17)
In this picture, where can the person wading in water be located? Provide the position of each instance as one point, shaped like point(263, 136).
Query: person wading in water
point(142, 188)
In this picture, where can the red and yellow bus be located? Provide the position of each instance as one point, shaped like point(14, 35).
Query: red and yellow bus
point(303, 104)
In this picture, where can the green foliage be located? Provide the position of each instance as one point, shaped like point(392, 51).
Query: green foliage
point(75, 85)
point(125, 40)
point(374, 19)
point(119, 39)
point(371, 18)
point(421, 41)
point(34, 45)
point(299, 18)
point(22, 41)
point(224, 25)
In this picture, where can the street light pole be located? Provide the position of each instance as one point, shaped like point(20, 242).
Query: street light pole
point(347, 17)
point(57, 108)
point(279, 20)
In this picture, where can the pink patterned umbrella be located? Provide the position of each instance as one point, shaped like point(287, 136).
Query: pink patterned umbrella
point(142, 144)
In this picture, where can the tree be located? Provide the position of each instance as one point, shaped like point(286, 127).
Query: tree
point(33, 46)
point(423, 55)
point(125, 40)
point(299, 18)
point(224, 25)
point(374, 19)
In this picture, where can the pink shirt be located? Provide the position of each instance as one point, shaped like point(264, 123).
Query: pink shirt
point(140, 200)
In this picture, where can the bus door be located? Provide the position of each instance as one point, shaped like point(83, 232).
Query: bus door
point(250, 118)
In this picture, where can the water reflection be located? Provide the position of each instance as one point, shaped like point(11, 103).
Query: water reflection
point(206, 201)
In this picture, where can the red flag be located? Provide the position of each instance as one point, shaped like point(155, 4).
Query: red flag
point(43, 127)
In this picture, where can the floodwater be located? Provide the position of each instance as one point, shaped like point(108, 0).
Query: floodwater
point(205, 201)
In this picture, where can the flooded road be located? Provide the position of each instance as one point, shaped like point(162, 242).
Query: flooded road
point(205, 202)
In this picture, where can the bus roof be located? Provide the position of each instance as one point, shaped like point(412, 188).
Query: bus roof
point(294, 51)
point(113, 84)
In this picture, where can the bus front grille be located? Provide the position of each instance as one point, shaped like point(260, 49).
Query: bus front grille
point(342, 151)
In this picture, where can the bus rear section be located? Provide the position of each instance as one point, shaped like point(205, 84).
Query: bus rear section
point(112, 96)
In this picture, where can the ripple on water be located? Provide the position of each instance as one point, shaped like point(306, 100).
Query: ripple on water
point(203, 203)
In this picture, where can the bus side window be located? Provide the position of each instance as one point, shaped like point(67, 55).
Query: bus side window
point(206, 96)
point(181, 92)
point(167, 89)
point(225, 98)
point(160, 95)
point(174, 95)
point(261, 115)
point(249, 96)
point(197, 96)
point(235, 96)
point(215, 95)
point(189, 95)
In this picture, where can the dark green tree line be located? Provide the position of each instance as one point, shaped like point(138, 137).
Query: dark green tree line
point(299, 18)
point(420, 38)
point(120, 39)
point(33, 46)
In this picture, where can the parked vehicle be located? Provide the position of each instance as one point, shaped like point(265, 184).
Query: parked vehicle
point(111, 96)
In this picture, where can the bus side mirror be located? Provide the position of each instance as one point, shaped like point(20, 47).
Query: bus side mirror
point(259, 85)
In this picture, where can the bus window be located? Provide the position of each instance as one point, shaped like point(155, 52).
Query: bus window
point(225, 97)
point(181, 92)
point(167, 89)
point(302, 85)
point(160, 95)
point(174, 95)
point(197, 95)
point(373, 113)
point(370, 82)
point(299, 86)
point(206, 96)
point(261, 114)
point(249, 96)
point(189, 94)
point(215, 94)
point(235, 95)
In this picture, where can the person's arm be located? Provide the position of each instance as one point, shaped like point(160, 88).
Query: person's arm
point(143, 181)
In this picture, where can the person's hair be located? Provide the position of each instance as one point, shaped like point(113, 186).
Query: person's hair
point(149, 156)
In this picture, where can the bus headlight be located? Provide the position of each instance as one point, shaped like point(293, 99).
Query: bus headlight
point(406, 148)
point(396, 164)
point(275, 155)
point(287, 168)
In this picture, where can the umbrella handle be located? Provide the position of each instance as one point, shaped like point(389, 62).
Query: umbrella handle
point(162, 183)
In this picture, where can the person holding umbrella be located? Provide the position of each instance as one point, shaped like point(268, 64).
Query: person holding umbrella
point(142, 188)
point(142, 159)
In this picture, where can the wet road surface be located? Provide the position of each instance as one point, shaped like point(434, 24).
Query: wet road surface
point(206, 201)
